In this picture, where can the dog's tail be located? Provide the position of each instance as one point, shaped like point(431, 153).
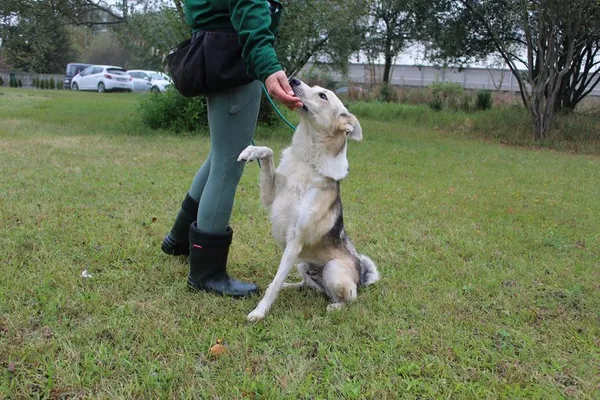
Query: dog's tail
point(368, 270)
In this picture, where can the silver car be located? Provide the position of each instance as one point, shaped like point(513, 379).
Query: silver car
point(144, 81)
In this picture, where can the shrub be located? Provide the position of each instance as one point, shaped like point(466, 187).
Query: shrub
point(446, 95)
point(324, 80)
point(484, 100)
point(52, 84)
point(60, 85)
point(172, 111)
point(266, 114)
point(436, 104)
point(19, 83)
point(466, 102)
point(1, 81)
point(388, 94)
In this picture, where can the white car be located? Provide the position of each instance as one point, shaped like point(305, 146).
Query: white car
point(103, 78)
point(144, 81)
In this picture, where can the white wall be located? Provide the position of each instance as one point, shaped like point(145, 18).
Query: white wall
point(411, 75)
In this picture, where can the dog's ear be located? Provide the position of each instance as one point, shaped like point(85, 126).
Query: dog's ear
point(350, 126)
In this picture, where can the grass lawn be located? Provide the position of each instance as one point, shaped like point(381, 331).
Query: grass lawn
point(489, 256)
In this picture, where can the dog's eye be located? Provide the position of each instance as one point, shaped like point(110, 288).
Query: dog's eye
point(323, 96)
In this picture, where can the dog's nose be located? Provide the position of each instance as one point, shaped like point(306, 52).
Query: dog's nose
point(295, 82)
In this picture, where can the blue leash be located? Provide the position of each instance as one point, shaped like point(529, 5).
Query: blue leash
point(277, 112)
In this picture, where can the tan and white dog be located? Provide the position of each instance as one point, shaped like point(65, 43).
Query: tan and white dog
point(303, 198)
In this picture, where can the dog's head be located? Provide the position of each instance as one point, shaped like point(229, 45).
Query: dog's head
point(325, 112)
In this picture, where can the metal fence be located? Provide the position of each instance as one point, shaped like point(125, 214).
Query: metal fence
point(422, 76)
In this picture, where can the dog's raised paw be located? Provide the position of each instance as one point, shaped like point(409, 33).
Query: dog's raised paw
point(252, 153)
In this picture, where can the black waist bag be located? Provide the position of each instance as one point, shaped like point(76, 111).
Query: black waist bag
point(209, 62)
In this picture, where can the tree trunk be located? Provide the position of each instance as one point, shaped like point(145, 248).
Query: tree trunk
point(387, 69)
point(541, 124)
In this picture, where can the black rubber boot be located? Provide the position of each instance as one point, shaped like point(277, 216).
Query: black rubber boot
point(208, 263)
point(176, 243)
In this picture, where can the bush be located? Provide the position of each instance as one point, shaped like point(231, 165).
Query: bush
point(1, 81)
point(266, 114)
point(447, 95)
point(60, 85)
point(324, 80)
point(484, 100)
point(466, 102)
point(52, 84)
point(388, 94)
point(436, 104)
point(19, 83)
point(172, 111)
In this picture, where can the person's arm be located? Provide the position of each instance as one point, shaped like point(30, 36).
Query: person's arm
point(252, 20)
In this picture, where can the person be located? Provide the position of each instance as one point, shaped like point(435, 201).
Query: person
point(201, 229)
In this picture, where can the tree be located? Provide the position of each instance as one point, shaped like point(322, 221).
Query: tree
point(391, 26)
point(544, 43)
point(106, 48)
point(321, 30)
point(36, 39)
point(150, 34)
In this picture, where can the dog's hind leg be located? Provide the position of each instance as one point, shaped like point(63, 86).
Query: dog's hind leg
point(267, 171)
point(311, 277)
point(339, 284)
point(292, 250)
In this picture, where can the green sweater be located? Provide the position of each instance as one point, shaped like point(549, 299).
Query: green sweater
point(251, 19)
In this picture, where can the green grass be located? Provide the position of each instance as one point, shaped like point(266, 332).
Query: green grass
point(489, 258)
point(576, 133)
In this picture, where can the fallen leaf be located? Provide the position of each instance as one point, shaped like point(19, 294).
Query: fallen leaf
point(217, 350)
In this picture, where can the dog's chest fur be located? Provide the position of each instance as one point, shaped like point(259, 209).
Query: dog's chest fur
point(303, 203)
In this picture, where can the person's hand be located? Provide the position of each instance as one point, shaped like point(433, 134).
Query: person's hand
point(278, 87)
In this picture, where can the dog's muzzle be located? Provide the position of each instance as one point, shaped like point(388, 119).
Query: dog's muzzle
point(296, 88)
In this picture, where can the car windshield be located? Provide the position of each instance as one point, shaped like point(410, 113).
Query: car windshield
point(116, 71)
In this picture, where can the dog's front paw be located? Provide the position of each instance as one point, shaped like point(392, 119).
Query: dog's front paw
point(256, 315)
point(252, 153)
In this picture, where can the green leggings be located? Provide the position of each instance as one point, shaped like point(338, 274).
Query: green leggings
point(232, 116)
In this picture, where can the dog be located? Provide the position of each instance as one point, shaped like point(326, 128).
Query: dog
point(303, 198)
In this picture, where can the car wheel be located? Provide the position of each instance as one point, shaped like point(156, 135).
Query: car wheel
point(155, 89)
point(74, 86)
point(101, 88)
